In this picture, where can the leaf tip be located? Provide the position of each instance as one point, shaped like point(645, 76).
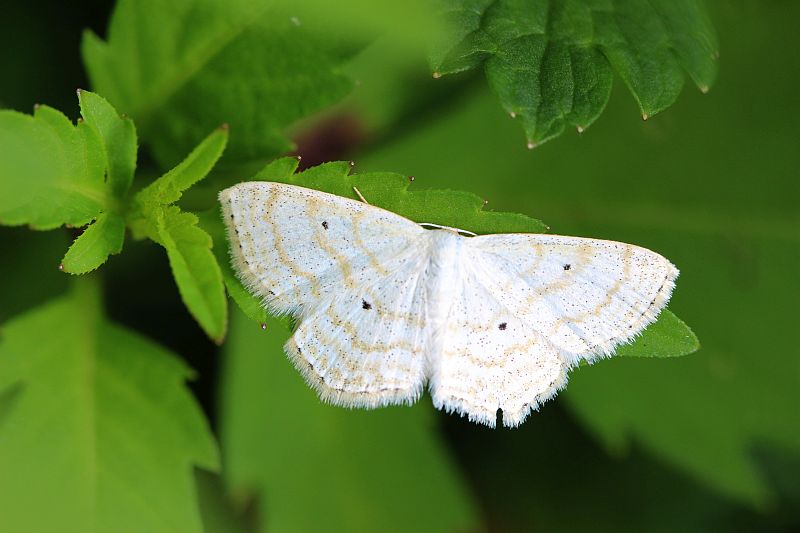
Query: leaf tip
point(36, 107)
point(263, 326)
point(61, 267)
point(531, 145)
point(437, 75)
point(645, 116)
point(352, 164)
point(704, 88)
point(512, 114)
point(78, 91)
point(411, 178)
point(224, 126)
point(580, 129)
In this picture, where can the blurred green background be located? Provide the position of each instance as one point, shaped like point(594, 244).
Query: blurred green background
point(707, 442)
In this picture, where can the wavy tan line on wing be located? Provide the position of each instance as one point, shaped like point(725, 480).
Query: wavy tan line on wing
point(378, 347)
point(313, 207)
point(279, 248)
point(383, 396)
point(360, 244)
point(353, 368)
point(518, 348)
point(538, 293)
point(244, 266)
point(581, 317)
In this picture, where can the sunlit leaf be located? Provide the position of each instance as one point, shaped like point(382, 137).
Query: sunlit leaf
point(99, 425)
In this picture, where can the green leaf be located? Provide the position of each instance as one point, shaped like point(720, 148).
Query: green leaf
point(315, 467)
point(180, 69)
point(101, 239)
point(101, 426)
point(51, 172)
point(168, 188)
point(390, 191)
point(195, 269)
point(118, 135)
point(551, 63)
point(188, 247)
point(669, 336)
point(56, 173)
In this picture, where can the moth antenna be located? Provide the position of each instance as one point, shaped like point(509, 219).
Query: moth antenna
point(361, 196)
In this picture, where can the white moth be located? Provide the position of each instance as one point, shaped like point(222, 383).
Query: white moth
point(386, 307)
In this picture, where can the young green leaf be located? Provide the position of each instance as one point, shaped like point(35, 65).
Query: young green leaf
point(101, 239)
point(51, 171)
point(195, 269)
point(118, 135)
point(182, 68)
point(98, 424)
point(193, 264)
point(55, 173)
point(551, 63)
point(168, 188)
point(359, 470)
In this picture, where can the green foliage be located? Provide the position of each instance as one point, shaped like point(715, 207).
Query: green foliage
point(105, 417)
point(168, 188)
point(55, 173)
point(101, 239)
point(195, 269)
point(550, 63)
point(188, 246)
point(356, 470)
point(106, 235)
point(118, 135)
point(51, 172)
point(669, 336)
point(390, 191)
point(181, 71)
